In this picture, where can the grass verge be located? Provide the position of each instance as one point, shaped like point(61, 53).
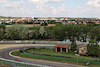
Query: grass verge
point(69, 54)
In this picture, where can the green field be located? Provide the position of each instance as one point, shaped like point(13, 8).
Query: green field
point(70, 54)
point(8, 26)
point(49, 51)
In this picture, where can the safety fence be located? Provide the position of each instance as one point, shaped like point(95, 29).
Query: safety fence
point(20, 64)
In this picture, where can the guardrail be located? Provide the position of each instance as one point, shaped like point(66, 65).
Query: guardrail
point(20, 64)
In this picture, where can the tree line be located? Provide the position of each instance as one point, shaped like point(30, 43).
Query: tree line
point(77, 32)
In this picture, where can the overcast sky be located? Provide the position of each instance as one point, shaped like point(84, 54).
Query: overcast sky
point(50, 8)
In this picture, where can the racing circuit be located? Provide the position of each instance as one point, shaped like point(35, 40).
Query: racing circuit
point(5, 53)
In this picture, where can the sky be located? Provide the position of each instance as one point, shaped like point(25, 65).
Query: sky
point(50, 8)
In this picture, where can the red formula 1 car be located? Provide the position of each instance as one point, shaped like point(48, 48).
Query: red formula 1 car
point(18, 60)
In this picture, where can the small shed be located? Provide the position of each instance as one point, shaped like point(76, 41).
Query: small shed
point(62, 48)
point(83, 49)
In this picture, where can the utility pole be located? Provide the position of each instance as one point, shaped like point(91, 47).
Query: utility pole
point(77, 58)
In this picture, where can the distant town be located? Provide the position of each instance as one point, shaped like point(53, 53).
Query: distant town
point(50, 20)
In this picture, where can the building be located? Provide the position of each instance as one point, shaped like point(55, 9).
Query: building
point(27, 19)
point(13, 20)
point(62, 48)
point(96, 22)
point(7, 22)
point(84, 23)
point(19, 20)
point(83, 50)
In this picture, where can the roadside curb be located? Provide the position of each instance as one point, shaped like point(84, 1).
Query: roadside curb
point(13, 55)
point(26, 62)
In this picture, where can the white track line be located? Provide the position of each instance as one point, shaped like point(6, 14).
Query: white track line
point(26, 62)
point(13, 55)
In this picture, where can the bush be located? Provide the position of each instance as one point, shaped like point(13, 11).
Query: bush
point(33, 43)
point(44, 24)
point(99, 53)
point(2, 31)
point(73, 47)
point(93, 48)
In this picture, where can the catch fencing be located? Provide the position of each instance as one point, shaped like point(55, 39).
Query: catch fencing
point(20, 64)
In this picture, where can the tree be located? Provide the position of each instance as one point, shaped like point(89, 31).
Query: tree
point(2, 31)
point(36, 33)
point(59, 32)
point(49, 31)
point(85, 30)
point(42, 32)
point(95, 33)
point(98, 38)
point(44, 24)
point(91, 24)
point(17, 32)
point(93, 48)
point(73, 34)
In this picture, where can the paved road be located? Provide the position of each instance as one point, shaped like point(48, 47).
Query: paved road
point(4, 53)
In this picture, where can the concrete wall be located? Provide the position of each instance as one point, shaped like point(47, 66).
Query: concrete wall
point(40, 42)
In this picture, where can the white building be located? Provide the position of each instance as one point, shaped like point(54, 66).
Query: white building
point(7, 21)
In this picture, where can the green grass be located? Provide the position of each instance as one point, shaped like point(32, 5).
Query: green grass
point(8, 26)
point(57, 59)
point(52, 52)
point(49, 51)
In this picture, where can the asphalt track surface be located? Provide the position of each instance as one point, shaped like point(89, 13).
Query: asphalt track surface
point(4, 53)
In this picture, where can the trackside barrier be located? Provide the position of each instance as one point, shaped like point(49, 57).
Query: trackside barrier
point(20, 64)
point(38, 42)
